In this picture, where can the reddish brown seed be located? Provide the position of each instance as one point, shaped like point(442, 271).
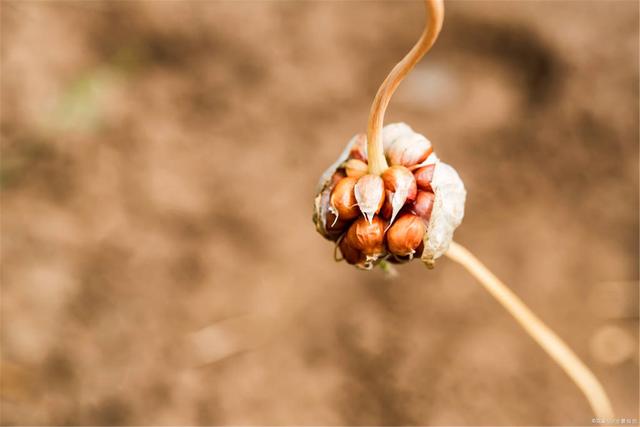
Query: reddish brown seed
point(343, 200)
point(367, 237)
point(398, 178)
point(423, 176)
point(405, 235)
point(335, 227)
point(424, 204)
point(349, 253)
point(356, 168)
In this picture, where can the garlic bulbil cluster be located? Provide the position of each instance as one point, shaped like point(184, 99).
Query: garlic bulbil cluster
point(410, 211)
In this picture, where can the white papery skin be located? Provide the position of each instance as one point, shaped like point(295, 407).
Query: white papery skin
point(447, 213)
point(450, 194)
point(393, 131)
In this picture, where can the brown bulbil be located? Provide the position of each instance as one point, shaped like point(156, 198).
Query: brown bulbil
point(350, 254)
point(367, 237)
point(343, 201)
point(356, 168)
point(334, 227)
point(405, 235)
point(424, 204)
point(424, 176)
point(399, 177)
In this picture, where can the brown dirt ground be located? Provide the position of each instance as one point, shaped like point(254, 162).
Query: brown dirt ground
point(158, 168)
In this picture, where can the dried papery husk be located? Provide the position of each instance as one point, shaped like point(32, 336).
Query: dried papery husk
point(405, 235)
point(342, 202)
point(321, 212)
point(393, 131)
point(447, 212)
point(400, 184)
point(325, 178)
point(369, 192)
point(322, 215)
point(325, 184)
point(356, 168)
point(423, 205)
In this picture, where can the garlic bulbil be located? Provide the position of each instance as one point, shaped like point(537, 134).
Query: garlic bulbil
point(410, 211)
point(342, 202)
point(406, 234)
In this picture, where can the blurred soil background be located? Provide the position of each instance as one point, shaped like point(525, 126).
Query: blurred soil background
point(159, 163)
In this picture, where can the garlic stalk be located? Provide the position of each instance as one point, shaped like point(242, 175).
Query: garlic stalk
point(435, 17)
point(545, 337)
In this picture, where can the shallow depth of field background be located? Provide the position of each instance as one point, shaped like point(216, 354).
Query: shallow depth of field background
point(158, 166)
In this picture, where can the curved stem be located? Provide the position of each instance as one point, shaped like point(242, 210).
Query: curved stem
point(545, 337)
point(435, 16)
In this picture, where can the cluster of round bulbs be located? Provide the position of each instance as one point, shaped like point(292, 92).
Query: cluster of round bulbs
point(408, 211)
